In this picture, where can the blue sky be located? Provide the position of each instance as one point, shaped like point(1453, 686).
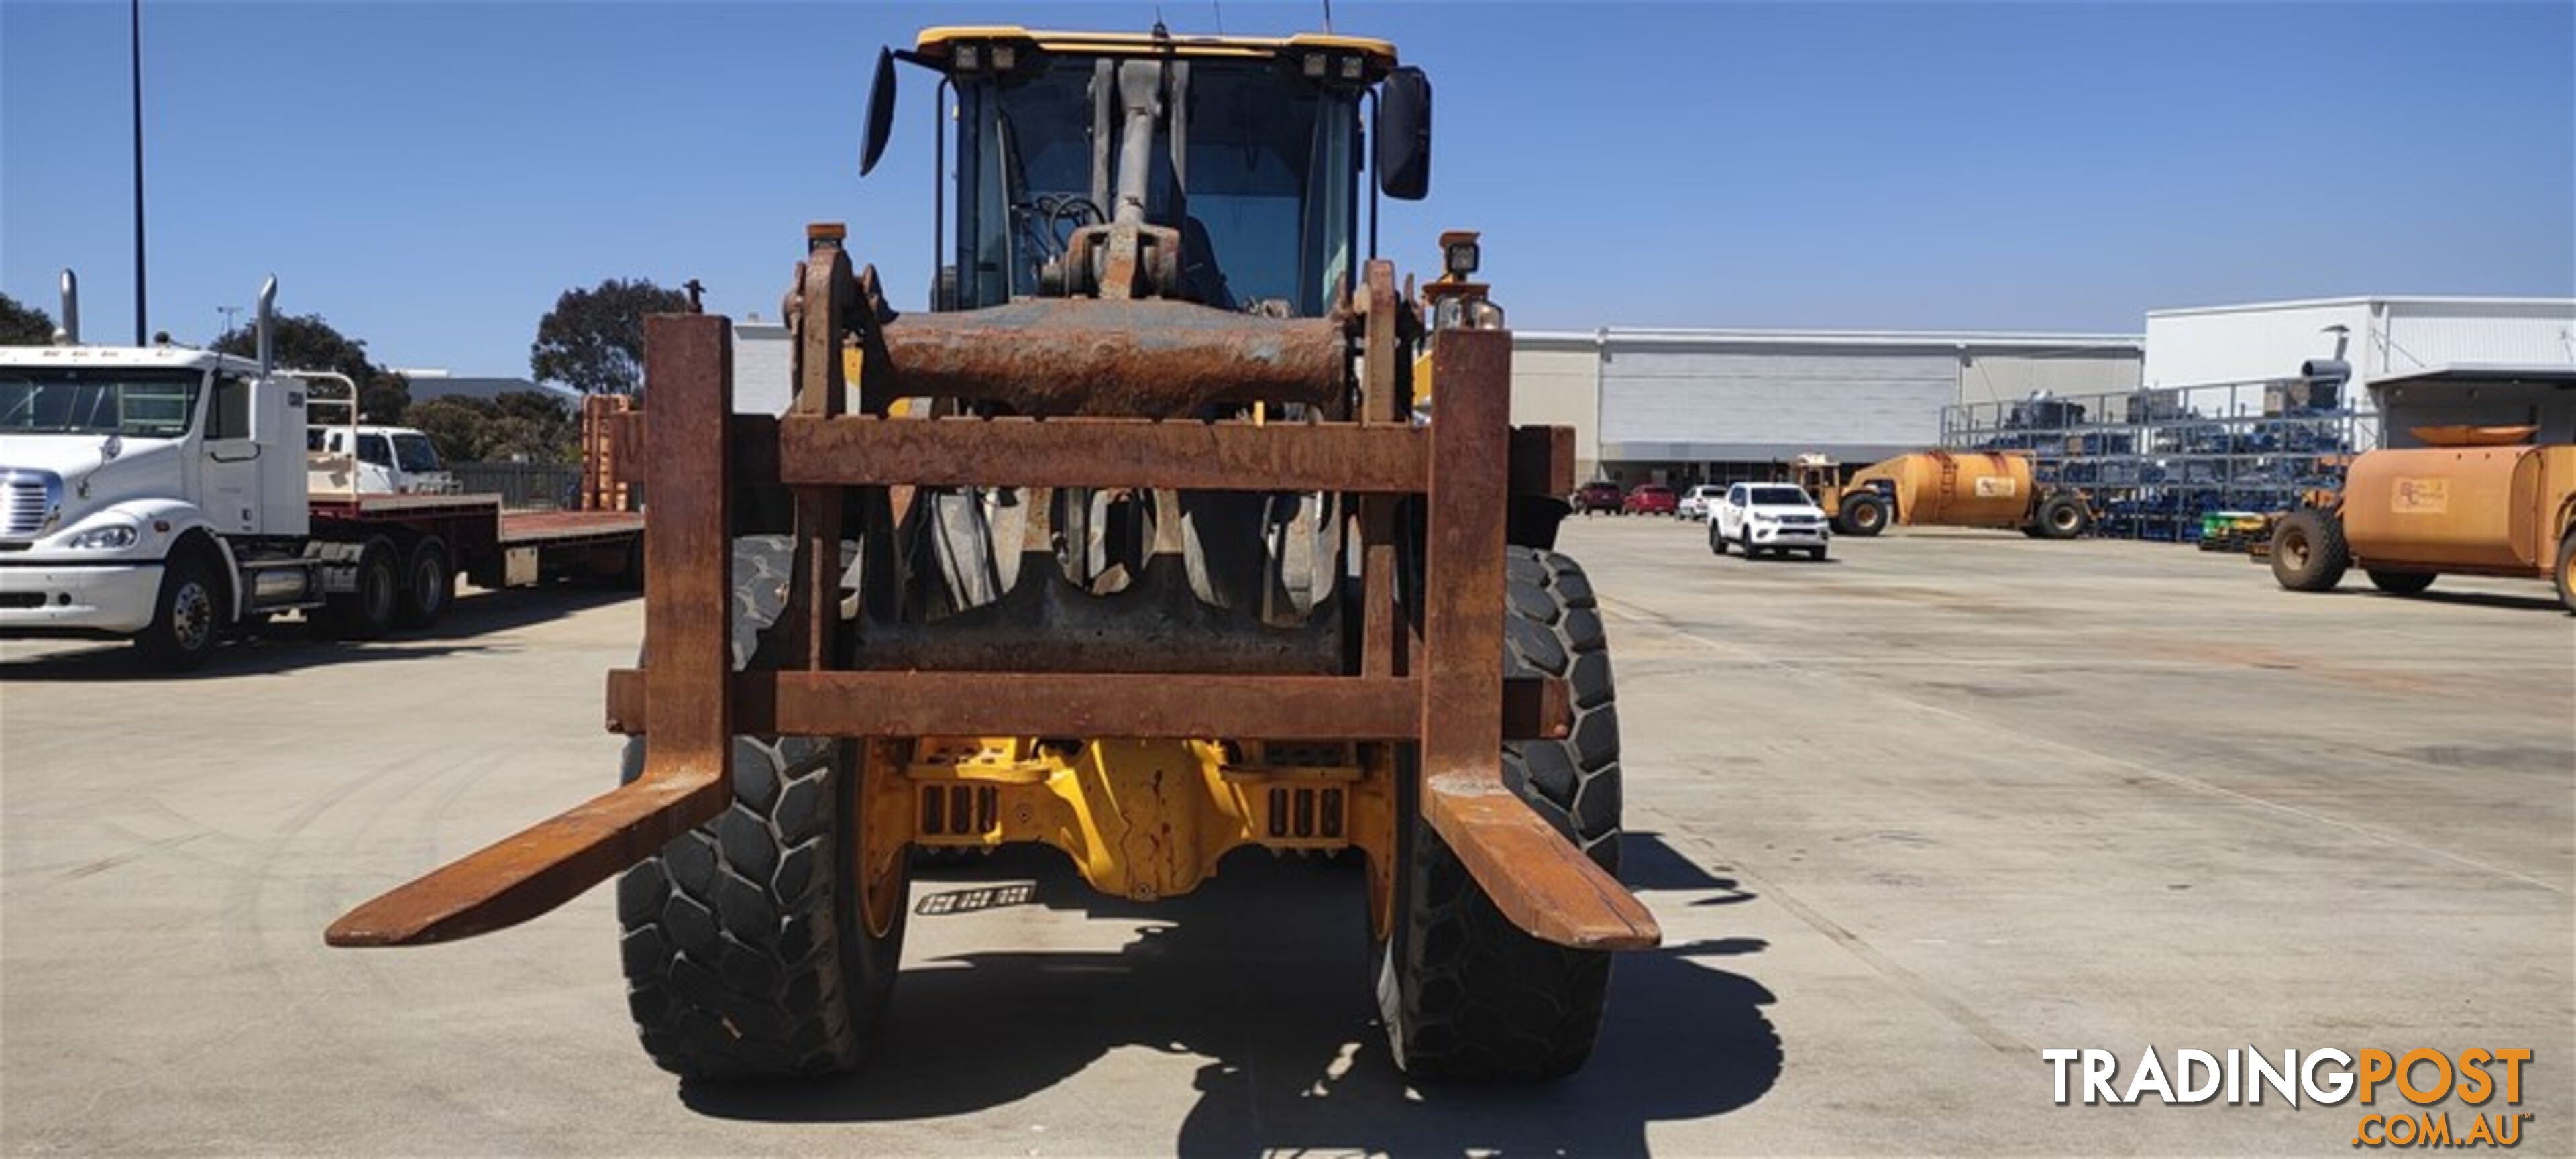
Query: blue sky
point(430, 176)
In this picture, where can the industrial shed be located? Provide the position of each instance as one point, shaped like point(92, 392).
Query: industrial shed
point(1690, 405)
point(2379, 338)
point(2479, 395)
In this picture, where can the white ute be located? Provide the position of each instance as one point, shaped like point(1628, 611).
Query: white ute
point(1760, 517)
point(1698, 501)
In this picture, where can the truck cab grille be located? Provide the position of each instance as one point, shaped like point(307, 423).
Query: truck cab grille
point(27, 500)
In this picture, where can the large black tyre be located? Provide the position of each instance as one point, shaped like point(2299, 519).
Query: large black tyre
point(2566, 574)
point(1716, 540)
point(2399, 583)
point(428, 584)
point(746, 950)
point(2061, 517)
point(369, 610)
point(2308, 551)
point(1464, 993)
point(1864, 514)
point(187, 615)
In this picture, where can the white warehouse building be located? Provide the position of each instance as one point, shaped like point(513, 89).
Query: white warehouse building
point(1719, 405)
point(2434, 344)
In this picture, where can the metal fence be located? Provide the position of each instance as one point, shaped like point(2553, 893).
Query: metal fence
point(521, 486)
point(2155, 462)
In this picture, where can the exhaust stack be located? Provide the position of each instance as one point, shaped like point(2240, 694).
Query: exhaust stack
point(67, 332)
point(267, 316)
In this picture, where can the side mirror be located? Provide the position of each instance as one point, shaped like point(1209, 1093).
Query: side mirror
point(880, 112)
point(1403, 145)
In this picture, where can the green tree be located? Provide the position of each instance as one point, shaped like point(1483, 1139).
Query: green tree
point(534, 427)
point(454, 426)
point(23, 325)
point(593, 340)
point(307, 342)
point(520, 426)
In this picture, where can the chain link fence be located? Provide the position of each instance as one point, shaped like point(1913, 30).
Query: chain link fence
point(522, 486)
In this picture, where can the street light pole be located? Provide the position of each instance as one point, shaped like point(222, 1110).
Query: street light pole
point(141, 335)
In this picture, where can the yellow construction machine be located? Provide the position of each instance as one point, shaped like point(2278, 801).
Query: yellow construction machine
point(1143, 542)
point(1941, 488)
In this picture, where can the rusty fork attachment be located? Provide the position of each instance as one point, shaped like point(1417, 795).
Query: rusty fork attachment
point(1441, 686)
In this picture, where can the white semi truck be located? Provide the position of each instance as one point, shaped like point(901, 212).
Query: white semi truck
point(168, 495)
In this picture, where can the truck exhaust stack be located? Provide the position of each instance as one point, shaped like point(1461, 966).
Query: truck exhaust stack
point(267, 315)
point(68, 332)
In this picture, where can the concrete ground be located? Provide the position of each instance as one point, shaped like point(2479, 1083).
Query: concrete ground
point(1908, 818)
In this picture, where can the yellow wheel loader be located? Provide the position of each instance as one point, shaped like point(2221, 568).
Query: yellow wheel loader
point(1144, 542)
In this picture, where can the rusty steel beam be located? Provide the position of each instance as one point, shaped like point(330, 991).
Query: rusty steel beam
point(687, 603)
point(827, 299)
point(1532, 709)
point(1536, 877)
point(752, 440)
point(1086, 356)
point(1381, 358)
point(1543, 461)
point(1124, 705)
point(1080, 452)
point(1463, 588)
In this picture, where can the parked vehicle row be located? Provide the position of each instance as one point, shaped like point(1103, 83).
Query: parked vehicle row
point(1644, 499)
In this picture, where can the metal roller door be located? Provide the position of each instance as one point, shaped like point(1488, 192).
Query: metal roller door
point(1759, 406)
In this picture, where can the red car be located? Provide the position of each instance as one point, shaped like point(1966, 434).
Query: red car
point(1599, 496)
point(1651, 499)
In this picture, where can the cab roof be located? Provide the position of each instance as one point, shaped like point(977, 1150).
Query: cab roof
point(936, 42)
point(171, 356)
point(188, 357)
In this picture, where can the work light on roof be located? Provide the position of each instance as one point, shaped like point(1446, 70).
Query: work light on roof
point(1460, 258)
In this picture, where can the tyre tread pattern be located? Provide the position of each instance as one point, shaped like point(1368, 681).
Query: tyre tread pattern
point(2328, 555)
point(736, 938)
point(1468, 995)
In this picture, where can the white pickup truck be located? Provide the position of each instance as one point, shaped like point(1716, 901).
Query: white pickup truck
point(167, 495)
point(1768, 517)
point(1697, 502)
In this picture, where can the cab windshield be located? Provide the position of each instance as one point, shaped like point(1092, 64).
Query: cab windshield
point(414, 453)
point(72, 400)
point(1776, 497)
point(1262, 196)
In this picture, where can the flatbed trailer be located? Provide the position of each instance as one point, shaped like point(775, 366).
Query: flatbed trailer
point(490, 545)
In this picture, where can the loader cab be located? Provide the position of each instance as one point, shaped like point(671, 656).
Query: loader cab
point(1254, 161)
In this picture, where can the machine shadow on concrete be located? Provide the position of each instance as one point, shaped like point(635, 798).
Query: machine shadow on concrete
point(1266, 972)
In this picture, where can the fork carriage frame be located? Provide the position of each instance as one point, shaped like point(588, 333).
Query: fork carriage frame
point(1442, 689)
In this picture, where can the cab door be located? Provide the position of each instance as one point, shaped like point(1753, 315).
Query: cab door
point(1731, 511)
point(376, 472)
point(230, 461)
